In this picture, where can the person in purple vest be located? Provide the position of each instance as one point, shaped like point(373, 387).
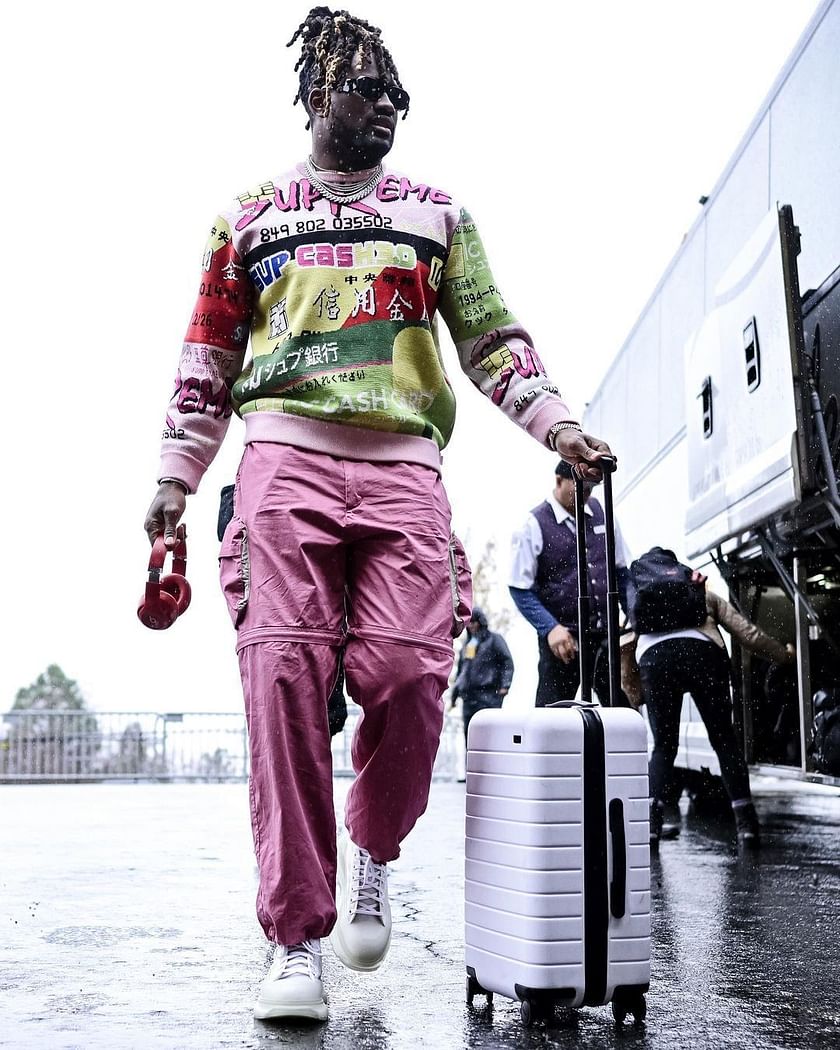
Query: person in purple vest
point(544, 587)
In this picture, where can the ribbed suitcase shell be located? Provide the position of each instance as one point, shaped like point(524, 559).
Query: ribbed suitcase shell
point(526, 895)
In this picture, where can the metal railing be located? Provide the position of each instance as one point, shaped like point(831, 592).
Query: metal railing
point(62, 746)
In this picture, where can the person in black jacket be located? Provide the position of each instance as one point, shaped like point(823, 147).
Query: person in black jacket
point(485, 669)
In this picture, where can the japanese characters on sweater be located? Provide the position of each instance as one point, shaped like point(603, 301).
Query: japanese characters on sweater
point(340, 303)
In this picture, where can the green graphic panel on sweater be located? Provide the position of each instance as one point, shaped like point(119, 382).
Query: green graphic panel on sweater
point(383, 375)
point(469, 300)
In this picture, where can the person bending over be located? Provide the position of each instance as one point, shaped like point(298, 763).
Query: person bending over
point(694, 660)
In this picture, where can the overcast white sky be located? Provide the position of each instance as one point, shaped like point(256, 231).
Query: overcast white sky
point(580, 136)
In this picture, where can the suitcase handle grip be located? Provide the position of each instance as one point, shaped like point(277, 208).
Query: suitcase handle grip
point(607, 463)
point(618, 883)
point(573, 703)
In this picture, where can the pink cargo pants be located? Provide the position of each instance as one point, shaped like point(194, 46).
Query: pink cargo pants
point(325, 553)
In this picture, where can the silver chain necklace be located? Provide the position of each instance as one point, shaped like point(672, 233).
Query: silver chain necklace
point(348, 194)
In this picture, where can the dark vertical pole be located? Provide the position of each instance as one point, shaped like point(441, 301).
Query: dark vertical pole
point(608, 466)
point(803, 662)
point(584, 601)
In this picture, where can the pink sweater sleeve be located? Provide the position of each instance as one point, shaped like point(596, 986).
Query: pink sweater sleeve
point(494, 349)
point(211, 358)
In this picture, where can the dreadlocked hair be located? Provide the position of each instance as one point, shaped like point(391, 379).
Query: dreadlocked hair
point(329, 42)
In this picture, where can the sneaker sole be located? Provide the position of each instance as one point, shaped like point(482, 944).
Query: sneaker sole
point(302, 1011)
point(345, 957)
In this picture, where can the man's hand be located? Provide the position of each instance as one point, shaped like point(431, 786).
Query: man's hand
point(791, 651)
point(165, 512)
point(583, 452)
point(501, 692)
point(562, 643)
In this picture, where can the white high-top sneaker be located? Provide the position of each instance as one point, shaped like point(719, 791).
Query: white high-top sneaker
point(362, 932)
point(293, 987)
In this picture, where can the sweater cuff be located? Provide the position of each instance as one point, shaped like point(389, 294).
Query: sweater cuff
point(181, 467)
point(544, 418)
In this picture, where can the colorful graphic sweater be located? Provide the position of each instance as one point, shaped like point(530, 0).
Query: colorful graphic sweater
point(340, 303)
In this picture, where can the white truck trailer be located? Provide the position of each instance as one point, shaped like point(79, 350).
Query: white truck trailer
point(724, 405)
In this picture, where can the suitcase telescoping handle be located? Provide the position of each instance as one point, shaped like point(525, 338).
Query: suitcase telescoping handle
point(608, 465)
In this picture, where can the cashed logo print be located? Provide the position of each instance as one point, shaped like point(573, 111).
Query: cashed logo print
point(379, 400)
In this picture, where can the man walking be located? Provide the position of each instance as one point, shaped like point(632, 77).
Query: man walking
point(341, 538)
point(544, 587)
point(485, 669)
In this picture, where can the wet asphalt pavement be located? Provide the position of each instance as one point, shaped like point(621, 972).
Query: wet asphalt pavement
point(127, 920)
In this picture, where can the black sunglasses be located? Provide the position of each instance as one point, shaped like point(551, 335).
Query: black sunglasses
point(372, 89)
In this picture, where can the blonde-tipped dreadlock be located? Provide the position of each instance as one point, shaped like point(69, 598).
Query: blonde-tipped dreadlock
point(330, 41)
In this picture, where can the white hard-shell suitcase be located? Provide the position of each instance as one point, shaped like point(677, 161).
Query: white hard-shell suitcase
point(557, 858)
point(557, 877)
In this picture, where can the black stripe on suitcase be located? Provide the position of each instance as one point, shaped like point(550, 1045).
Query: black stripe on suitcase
point(596, 917)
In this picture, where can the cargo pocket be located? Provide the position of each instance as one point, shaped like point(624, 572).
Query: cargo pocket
point(460, 582)
point(235, 569)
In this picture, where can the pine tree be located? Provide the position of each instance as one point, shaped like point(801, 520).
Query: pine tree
point(52, 735)
point(51, 691)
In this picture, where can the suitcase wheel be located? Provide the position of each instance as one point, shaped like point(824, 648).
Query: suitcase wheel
point(539, 1005)
point(635, 1004)
point(474, 988)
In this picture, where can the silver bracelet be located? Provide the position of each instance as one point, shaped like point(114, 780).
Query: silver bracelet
point(175, 481)
point(566, 424)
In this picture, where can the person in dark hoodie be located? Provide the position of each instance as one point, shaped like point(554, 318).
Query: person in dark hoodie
point(485, 669)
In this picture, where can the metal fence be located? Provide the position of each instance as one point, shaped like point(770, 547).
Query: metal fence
point(42, 746)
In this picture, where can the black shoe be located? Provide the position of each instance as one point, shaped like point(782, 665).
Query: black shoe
point(656, 809)
point(671, 821)
point(659, 829)
point(747, 826)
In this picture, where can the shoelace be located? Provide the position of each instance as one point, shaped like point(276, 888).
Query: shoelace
point(369, 885)
point(302, 960)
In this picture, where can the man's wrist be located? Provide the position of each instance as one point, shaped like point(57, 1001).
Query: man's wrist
point(558, 428)
point(175, 481)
